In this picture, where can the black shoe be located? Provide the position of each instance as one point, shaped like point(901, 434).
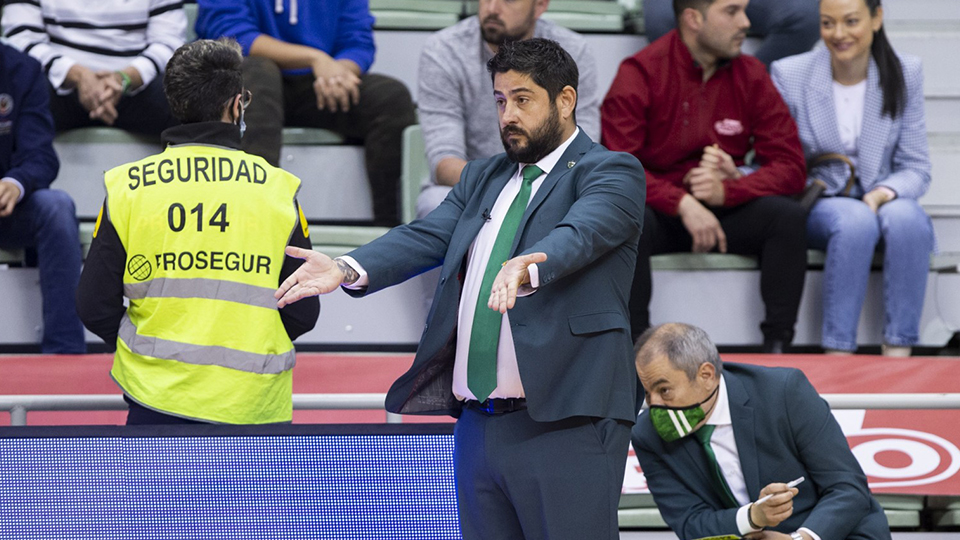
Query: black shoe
point(773, 346)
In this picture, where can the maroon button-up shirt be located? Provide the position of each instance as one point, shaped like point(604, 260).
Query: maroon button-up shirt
point(660, 110)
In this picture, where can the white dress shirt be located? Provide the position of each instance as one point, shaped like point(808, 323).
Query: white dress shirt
point(509, 384)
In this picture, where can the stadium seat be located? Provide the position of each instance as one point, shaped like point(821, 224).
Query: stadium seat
point(415, 14)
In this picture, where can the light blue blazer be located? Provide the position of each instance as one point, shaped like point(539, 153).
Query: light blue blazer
point(891, 153)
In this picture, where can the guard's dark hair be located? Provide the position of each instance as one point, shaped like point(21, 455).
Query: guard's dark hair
point(202, 77)
point(542, 60)
point(699, 5)
point(889, 67)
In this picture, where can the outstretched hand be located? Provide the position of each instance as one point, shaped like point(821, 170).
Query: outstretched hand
point(503, 293)
point(319, 274)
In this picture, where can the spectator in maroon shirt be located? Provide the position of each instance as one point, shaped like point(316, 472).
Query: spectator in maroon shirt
point(691, 108)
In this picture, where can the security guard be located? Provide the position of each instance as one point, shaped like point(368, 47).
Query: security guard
point(194, 238)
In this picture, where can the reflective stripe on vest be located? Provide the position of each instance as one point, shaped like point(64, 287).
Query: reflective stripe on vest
point(211, 289)
point(204, 355)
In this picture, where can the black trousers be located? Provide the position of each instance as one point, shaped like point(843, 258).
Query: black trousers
point(384, 111)
point(146, 112)
point(771, 228)
point(138, 415)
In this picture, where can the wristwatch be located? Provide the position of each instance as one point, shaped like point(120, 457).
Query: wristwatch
point(795, 535)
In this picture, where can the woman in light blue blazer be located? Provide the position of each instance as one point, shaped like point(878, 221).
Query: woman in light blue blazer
point(858, 98)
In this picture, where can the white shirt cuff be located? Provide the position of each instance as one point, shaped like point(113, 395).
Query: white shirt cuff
point(15, 182)
point(529, 288)
point(743, 520)
point(812, 534)
point(360, 283)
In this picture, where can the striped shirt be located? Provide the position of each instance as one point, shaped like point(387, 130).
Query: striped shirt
point(100, 35)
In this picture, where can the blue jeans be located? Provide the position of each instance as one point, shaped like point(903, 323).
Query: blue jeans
point(849, 232)
point(46, 221)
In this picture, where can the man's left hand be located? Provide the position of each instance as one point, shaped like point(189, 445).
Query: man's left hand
point(9, 193)
point(714, 157)
point(109, 97)
point(503, 293)
point(706, 185)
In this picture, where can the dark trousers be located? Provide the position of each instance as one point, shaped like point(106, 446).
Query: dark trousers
point(771, 228)
point(46, 222)
point(145, 112)
point(518, 479)
point(385, 109)
point(138, 415)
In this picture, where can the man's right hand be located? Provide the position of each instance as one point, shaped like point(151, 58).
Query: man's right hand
point(775, 509)
point(9, 194)
point(319, 274)
point(702, 225)
point(336, 84)
point(89, 87)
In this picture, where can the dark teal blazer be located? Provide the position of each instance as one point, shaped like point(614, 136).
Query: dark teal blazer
point(784, 430)
point(572, 335)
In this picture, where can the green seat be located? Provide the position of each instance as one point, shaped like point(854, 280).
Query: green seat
point(86, 236)
point(414, 170)
point(692, 262)
point(944, 512)
point(638, 511)
point(105, 135)
point(336, 240)
point(587, 15)
point(298, 136)
point(11, 256)
point(191, 8)
point(640, 518)
point(415, 14)
point(902, 519)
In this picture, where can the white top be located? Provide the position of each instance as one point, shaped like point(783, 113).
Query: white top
point(848, 101)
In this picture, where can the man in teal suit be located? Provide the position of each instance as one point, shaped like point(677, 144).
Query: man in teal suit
point(528, 339)
point(719, 438)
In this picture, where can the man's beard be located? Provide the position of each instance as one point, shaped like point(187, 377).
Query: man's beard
point(545, 139)
point(498, 36)
point(725, 50)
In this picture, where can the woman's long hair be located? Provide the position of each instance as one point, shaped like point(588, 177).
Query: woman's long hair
point(891, 71)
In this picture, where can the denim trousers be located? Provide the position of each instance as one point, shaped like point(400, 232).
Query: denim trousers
point(46, 221)
point(850, 233)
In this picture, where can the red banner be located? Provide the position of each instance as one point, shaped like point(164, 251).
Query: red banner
point(901, 451)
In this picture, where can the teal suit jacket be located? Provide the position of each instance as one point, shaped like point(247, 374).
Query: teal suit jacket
point(572, 335)
point(783, 430)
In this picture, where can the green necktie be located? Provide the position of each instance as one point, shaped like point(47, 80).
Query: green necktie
point(719, 482)
point(485, 333)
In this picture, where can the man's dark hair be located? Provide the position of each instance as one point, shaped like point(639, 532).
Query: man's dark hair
point(699, 5)
point(542, 60)
point(202, 77)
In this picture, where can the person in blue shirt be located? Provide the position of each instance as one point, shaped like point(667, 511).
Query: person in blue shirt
point(31, 214)
point(306, 63)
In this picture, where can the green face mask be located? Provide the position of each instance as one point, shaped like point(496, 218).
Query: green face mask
point(673, 423)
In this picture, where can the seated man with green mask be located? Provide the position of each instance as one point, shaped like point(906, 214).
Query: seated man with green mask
point(720, 443)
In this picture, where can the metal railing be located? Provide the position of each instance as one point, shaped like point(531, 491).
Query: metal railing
point(19, 405)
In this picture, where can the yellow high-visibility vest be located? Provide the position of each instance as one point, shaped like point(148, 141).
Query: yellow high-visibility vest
point(204, 229)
